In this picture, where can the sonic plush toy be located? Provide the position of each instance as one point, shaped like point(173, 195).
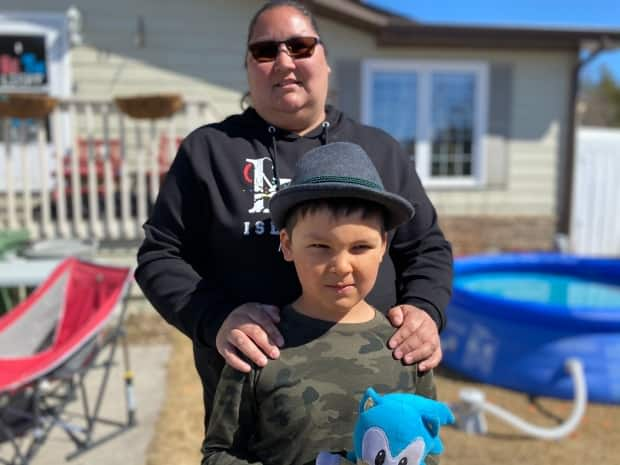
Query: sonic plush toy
point(394, 429)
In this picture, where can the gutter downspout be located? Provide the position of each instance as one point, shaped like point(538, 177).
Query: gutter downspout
point(566, 197)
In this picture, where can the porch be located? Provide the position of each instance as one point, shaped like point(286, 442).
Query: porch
point(90, 168)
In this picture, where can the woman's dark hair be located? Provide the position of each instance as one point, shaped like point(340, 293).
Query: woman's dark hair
point(280, 3)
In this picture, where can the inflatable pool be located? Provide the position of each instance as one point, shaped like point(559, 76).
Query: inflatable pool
point(514, 319)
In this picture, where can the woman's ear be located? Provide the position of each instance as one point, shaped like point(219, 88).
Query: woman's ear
point(285, 245)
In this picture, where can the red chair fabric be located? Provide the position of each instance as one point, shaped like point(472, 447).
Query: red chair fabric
point(90, 294)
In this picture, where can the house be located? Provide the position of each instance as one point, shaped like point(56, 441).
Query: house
point(486, 112)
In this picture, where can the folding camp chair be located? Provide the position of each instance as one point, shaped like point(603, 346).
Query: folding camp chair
point(49, 344)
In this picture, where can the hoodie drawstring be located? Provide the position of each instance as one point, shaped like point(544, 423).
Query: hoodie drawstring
point(325, 125)
point(273, 153)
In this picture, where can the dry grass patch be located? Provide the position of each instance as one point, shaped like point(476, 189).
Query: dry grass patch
point(146, 328)
point(179, 430)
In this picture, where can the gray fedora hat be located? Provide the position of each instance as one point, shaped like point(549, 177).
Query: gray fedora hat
point(338, 170)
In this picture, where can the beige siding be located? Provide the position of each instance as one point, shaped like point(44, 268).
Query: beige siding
point(196, 47)
point(540, 99)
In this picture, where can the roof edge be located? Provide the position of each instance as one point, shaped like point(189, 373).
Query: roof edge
point(394, 30)
point(357, 14)
point(492, 36)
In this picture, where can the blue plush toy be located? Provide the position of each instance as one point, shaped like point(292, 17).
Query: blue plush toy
point(395, 429)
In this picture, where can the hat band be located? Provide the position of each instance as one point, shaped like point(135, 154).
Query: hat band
point(343, 179)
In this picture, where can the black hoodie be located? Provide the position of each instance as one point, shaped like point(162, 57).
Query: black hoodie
point(209, 244)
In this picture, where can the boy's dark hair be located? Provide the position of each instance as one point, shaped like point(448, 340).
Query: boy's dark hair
point(338, 207)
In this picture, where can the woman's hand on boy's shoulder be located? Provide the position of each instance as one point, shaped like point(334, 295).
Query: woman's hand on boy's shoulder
point(417, 338)
point(251, 330)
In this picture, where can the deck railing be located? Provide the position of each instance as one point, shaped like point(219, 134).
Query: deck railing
point(88, 170)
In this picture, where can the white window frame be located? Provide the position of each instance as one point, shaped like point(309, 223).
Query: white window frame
point(424, 70)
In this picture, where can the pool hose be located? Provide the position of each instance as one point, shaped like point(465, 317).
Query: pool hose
point(469, 412)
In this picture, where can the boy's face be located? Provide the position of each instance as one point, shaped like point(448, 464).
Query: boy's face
point(337, 260)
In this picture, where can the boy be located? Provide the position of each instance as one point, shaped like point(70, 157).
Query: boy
point(333, 219)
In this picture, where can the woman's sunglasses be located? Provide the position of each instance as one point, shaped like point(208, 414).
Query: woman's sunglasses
point(297, 47)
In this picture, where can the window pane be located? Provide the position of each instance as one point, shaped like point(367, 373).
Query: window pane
point(452, 123)
point(394, 104)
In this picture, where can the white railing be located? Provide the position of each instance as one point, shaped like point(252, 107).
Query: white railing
point(89, 171)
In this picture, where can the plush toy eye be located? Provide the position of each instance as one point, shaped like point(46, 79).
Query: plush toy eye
point(380, 458)
point(403, 461)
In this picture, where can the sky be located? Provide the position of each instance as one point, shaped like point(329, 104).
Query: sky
point(577, 14)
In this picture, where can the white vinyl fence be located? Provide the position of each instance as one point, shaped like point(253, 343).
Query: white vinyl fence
point(88, 171)
point(595, 228)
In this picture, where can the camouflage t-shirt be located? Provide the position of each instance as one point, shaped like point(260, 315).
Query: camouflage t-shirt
point(307, 400)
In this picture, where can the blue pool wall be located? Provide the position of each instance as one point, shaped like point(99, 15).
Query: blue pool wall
point(523, 345)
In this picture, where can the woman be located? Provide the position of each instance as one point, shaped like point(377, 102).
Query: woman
point(210, 262)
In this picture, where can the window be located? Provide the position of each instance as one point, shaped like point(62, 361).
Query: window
point(396, 91)
point(436, 110)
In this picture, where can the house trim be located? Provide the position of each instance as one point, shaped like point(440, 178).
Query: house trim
point(432, 35)
point(393, 30)
point(356, 14)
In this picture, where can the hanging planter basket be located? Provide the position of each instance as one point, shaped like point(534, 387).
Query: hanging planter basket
point(26, 106)
point(150, 106)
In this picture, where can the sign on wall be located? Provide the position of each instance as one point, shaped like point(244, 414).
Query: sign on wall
point(23, 63)
point(34, 58)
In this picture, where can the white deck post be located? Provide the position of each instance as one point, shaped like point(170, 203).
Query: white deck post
point(153, 157)
point(46, 229)
point(92, 157)
point(140, 174)
point(26, 178)
point(76, 183)
point(10, 178)
point(128, 225)
point(110, 188)
point(61, 188)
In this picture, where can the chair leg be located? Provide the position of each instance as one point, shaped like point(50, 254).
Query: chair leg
point(130, 399)
point(26, 447)
point(93, 417)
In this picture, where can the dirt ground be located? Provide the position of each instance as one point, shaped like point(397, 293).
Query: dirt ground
point(597, 441)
